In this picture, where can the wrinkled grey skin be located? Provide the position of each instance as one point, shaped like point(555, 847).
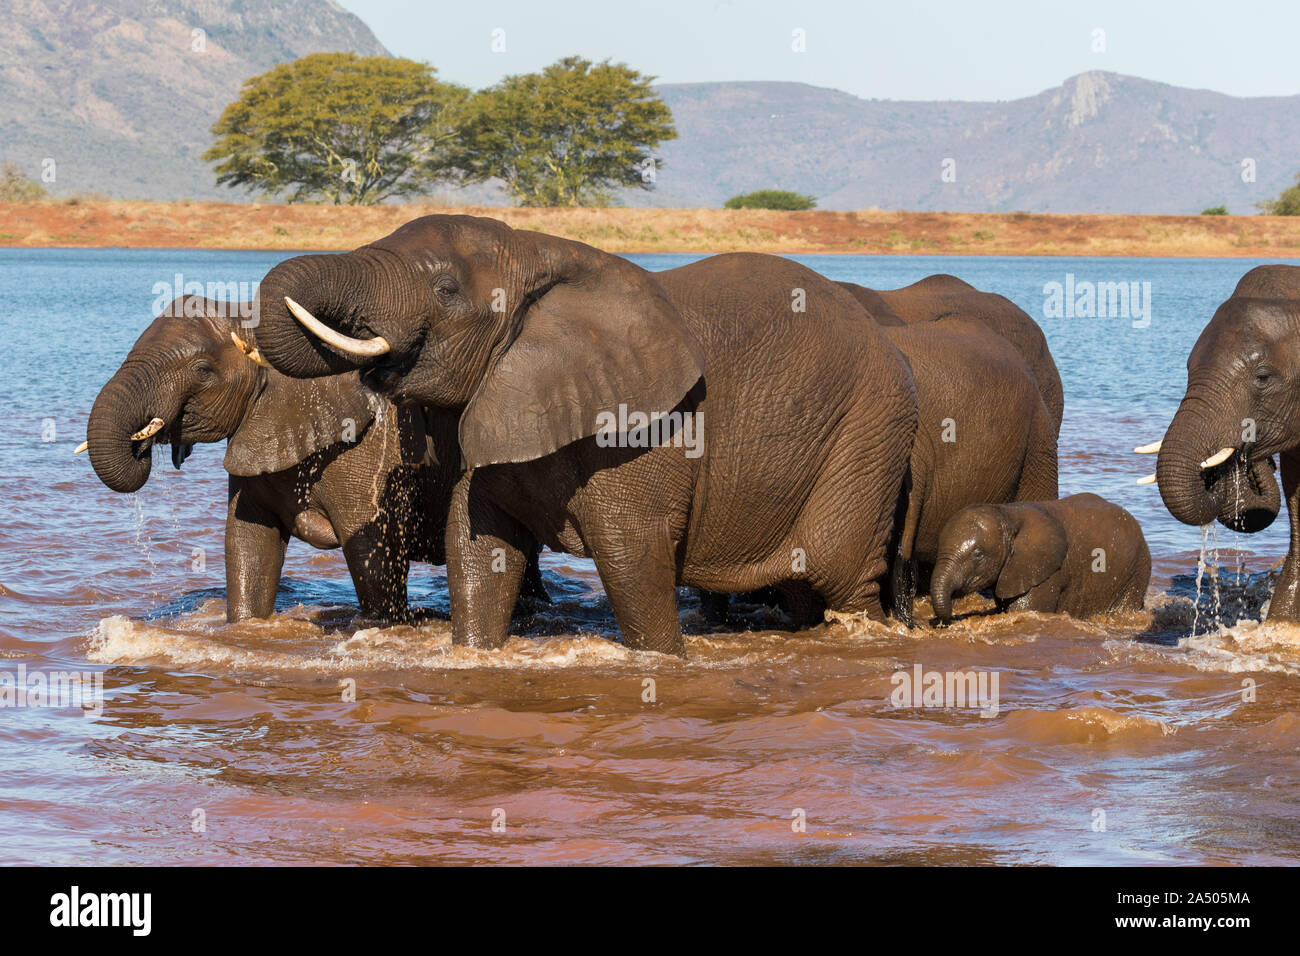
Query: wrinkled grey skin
point(381, 497)
point(983, 364)
point(984, 436)
point(939, 296)
point(1081, 556)
point(1244, 368)
point(807, 420)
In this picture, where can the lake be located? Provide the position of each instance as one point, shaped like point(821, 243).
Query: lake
point(1127, 742)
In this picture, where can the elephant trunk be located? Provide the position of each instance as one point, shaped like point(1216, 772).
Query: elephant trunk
point(1238, 491)
point(124, 407)
point(946, 580)
point(1254, 498)
point(355, 293)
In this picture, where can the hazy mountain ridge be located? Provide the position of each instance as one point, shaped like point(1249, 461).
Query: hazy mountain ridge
point(116, 94)
point(121, 94)
point(1101, 142)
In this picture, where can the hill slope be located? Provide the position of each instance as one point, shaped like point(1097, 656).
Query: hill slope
point(1101, 142)
point(121, 94)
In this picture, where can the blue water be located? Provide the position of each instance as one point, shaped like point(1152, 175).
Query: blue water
point(69, 316)
point(73, 553)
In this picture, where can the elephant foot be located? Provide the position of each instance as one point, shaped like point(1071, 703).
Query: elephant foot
point(806, 606)
point(713, 606)
point(1284, 606)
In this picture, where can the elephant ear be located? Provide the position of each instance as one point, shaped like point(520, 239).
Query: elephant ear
point(292, 419)
point(601, 333)
point(1038, 550)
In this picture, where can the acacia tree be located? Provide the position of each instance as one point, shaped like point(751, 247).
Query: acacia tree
point(568, 135)
point(339, 127)
point(1287, 204)
point(771, 199)
point(16, 187)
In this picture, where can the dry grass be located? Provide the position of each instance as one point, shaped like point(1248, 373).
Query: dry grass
point(262, 226)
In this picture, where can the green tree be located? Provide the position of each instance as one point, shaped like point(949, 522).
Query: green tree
point(1287, 204)
point(1215, 211)
point(16, 187)
point(771, 199)
point(339, 127)
point(568, 135)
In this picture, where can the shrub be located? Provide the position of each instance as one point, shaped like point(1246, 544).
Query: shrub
point(1287, 204)
point(771, 199)
point(16, 187)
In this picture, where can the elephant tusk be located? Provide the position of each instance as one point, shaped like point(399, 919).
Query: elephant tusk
point(1148, 480)
point(149, 430)
point(248, 350)
point(1151, 449)
point(1218, 458)
point(80, 448)
point(357, 348)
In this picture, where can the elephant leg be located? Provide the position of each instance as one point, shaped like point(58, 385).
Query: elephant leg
point(902, 588)
point(533, 588)
point(1044, 598)
point(255, 544)
point(1039, 479)
point(639, 573)
point(379, 568)
point(714, 605)
point(902, 565)
point(806, 606)
point(486, 557)
point(1285, 604)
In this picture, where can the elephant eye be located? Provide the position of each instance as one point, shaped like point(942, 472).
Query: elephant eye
point(1263, 377)
point(446, 288)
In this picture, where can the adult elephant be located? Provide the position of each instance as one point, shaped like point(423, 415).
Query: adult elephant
point(788, 427)
point(939, 296)
point(984, 436)
point(1239, 410)
point(326, 461)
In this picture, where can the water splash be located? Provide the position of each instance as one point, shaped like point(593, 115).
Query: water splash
point(1200, 577)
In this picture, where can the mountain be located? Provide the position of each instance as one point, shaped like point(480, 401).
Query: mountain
point(1101, 142)
point(121, 94)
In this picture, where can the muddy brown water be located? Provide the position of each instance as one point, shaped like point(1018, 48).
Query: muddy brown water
point(1168, 736)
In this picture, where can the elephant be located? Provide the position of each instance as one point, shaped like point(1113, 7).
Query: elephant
point(984, 437)
point(985, 432)
point(326, 461)
point(1080, 555)
point(937, 296)
point(1239, 410)
point(584, 384)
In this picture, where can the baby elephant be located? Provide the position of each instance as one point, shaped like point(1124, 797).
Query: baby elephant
point(1080, 555)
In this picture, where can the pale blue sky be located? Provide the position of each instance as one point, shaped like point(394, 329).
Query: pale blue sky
point(904, 49)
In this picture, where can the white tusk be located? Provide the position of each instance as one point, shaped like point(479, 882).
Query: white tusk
point(252, 353)
point(149, 430)
point(1151, 449)
point(80, 448)
point(358, 348)
point(1148, 480)
point(1218, 458)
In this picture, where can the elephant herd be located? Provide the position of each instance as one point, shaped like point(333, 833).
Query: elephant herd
point(465, 394)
